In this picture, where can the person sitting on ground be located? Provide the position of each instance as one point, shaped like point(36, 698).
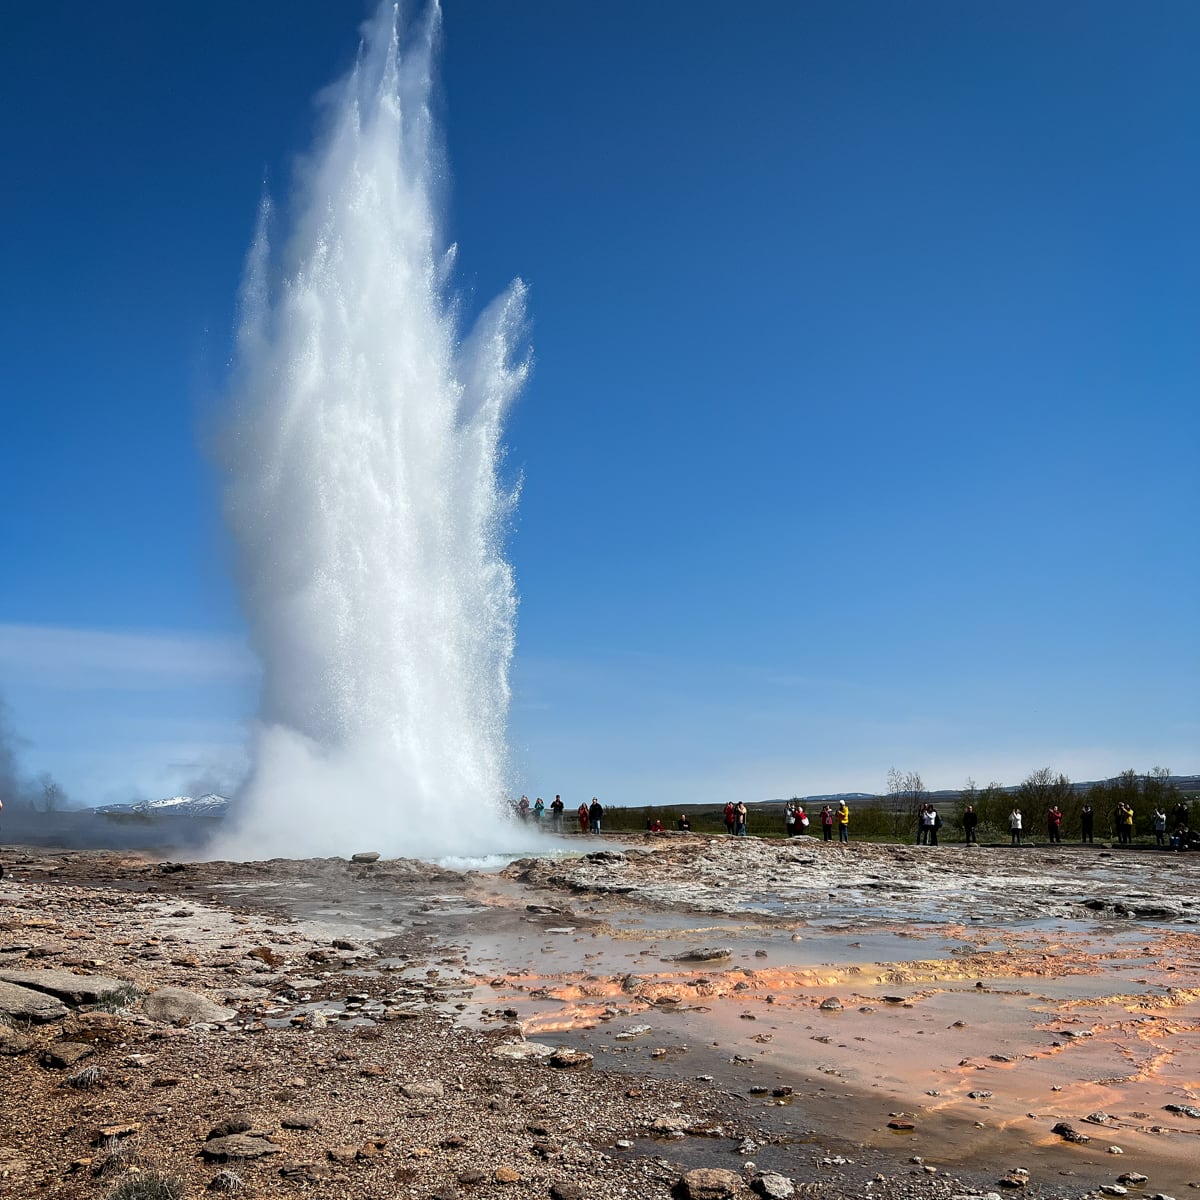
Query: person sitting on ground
point(656, 826)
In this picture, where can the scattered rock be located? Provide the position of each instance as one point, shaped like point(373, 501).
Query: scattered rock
point(175, 1004)
point(28, 1004)
point(773, 1186)
point(567, 1058)
point(703, 954)
point(1069, 1133)
point(238, 1146)
point(522, 1051)
point(707, 1183)
point(1184, 1110)
point(65, 985)
point(429, 1089)
point(365, 856)
point(506, 1174)
point(65, 1054)
point(831, 1004)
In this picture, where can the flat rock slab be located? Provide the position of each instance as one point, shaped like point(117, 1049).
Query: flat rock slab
point(237, 1146)
point(26, 1004)
point(70, 988)
point(180, 1004)
point(66, 1054)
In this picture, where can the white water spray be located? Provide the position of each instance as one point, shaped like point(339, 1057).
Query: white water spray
point(363, 494)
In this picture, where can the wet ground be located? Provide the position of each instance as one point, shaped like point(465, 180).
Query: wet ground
point(976, 997)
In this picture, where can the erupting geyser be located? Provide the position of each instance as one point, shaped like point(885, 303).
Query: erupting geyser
point(362, 455)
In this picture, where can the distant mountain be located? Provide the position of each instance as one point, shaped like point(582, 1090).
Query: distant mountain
point(210, 805)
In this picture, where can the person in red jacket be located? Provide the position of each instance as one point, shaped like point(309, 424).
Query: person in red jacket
point(582, 812)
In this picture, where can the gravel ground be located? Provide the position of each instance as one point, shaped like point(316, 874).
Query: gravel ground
point(309, 1054)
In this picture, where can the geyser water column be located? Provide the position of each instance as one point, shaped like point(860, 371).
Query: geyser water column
point(362, 454)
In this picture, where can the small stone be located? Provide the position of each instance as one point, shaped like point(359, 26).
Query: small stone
point(902, 1126)
point(1069, 1133)
point(65, 1054)
point(1115, 1150)
point(831, 1004)
point(507, 1175)
point(709, 1183)
point(568, 1058)
point(365, 856)
point(773, 1186)
point(1135, 1177)
point(1113, 1189)
point(427, 1089)
point(562, 1190)
point(237, 1146)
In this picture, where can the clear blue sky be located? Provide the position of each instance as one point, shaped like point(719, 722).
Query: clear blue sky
point(862, 430)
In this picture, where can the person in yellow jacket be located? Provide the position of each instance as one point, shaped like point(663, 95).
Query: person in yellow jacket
point(843, 821)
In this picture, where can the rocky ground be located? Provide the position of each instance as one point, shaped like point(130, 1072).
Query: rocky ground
point(325, 1028)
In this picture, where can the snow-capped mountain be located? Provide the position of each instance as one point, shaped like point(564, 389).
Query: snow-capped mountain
point(209, 805)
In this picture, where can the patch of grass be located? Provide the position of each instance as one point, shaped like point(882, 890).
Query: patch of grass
point(119, 998)
point(148, 1186)
point(226, 1181)
point(86, 1079)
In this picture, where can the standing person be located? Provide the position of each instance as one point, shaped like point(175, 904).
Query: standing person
point(843, 822)
point(970, 820)
point(730, 814)
point(801, 820)
point(1054, 823)
point(789, 820)
point(595, 815)
point(922, 825)
point(683, 824)
point(1160, 825)
point(523, 808)
point(1124, 824)
point(827, 823)
point(1179, 814)
point(935, 823)
point(582, 813)
point(741, 812)
point(1086, 818)
point(539, 808)
point(1014, 827)
point(556, 813)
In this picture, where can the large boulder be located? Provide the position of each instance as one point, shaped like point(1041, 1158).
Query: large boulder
point(173, 1004)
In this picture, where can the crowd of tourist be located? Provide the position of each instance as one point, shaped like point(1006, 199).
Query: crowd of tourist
point(797, 822)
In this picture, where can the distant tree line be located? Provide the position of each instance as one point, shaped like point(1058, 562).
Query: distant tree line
point(893, 816)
